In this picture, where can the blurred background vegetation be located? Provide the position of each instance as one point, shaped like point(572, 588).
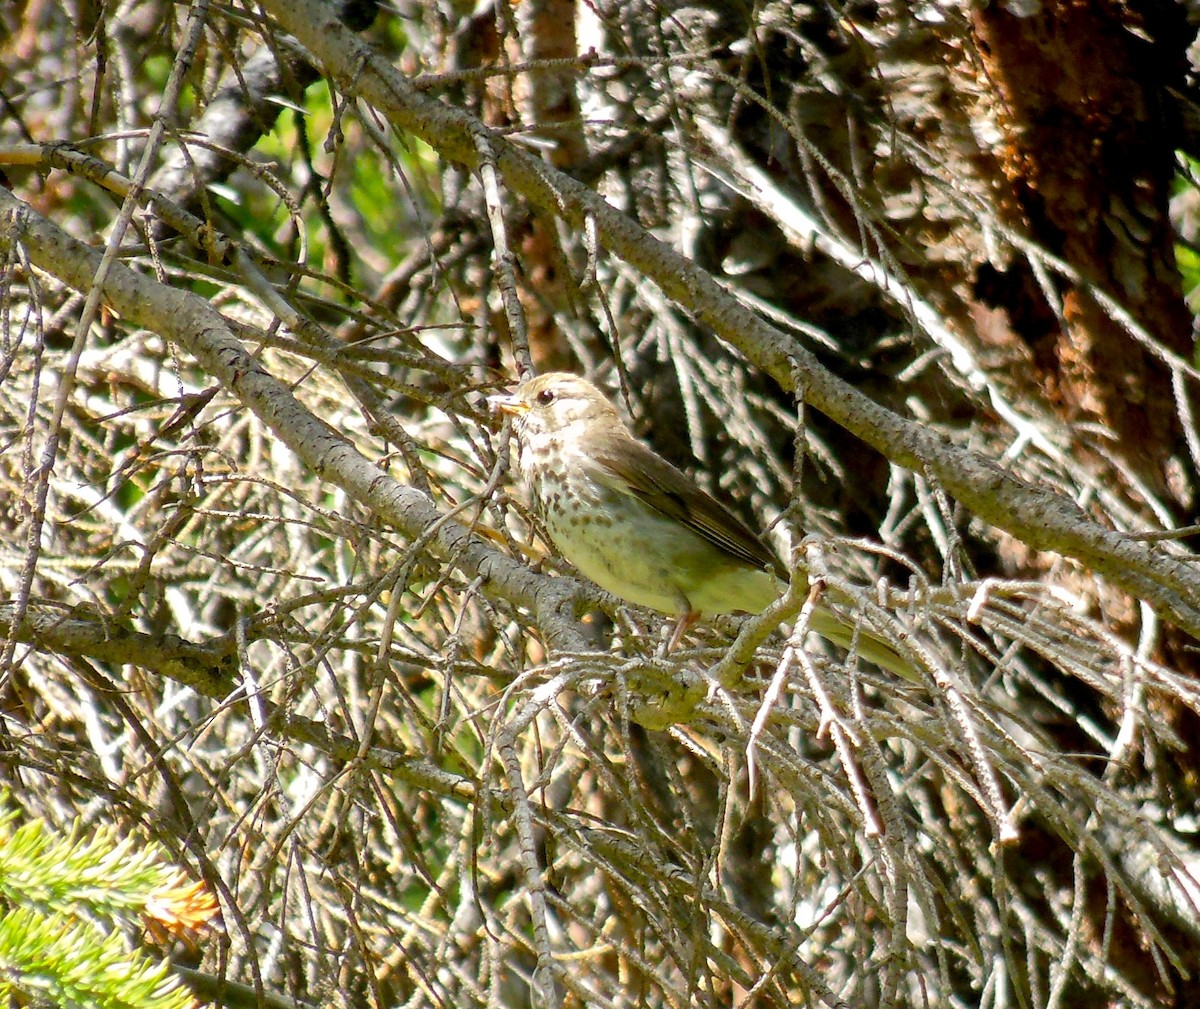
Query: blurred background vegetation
point(403, 780)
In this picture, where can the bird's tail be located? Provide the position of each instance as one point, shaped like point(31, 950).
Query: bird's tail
point(865, 644)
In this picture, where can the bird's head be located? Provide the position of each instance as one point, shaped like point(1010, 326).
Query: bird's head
point(554, 404)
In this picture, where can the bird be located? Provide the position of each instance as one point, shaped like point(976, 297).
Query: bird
point(636, 525)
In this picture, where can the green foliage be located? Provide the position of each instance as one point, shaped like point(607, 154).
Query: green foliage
point(1187, 182)
point(64, 900)
point(69, 962)
point(370, 184)
point(1189, 269)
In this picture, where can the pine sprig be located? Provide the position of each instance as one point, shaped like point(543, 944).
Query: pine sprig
point(68, 898)
point(113, 877)
point(67, 962)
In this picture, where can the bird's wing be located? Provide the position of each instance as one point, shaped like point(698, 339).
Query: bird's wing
point(635, 469)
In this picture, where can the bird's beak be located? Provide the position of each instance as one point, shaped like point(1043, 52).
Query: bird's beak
point(508, 402)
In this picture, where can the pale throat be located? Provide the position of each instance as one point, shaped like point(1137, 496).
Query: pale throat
point(539, 447)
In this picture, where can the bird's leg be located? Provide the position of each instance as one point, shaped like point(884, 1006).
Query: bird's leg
point(686, 621)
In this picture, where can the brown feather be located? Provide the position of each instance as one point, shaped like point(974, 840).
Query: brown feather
point(630, 466)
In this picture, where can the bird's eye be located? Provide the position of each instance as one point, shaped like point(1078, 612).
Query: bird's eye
point(546, 397)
